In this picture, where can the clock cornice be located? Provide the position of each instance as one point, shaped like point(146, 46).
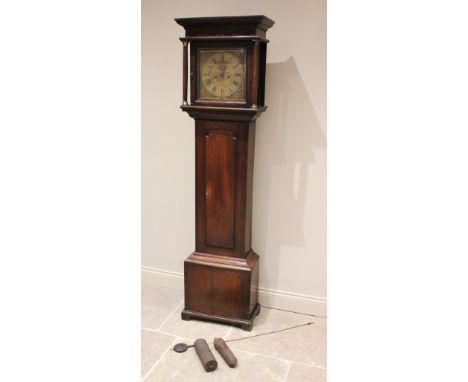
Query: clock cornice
point(254, 25)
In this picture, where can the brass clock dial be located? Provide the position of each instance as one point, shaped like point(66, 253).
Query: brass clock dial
point(222, 75)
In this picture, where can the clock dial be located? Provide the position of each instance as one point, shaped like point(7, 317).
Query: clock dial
point(222, 74)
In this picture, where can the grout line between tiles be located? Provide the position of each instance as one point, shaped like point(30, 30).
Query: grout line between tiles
point(159, 360)
point(176, 335)
point(310, 364)
point(227, 333)
point(151, 330)
point(170, 314)
point(287, 372)
point(278, 358)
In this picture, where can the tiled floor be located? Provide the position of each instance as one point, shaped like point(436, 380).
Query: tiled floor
point(293, 355)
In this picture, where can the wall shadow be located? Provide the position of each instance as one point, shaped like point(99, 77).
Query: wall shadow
point(287, 134)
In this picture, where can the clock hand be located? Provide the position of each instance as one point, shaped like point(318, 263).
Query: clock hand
point(222, 68)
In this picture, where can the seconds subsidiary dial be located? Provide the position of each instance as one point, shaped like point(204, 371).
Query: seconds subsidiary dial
point(222, 74)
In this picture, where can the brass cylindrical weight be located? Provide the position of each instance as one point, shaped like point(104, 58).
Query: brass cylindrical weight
point(206, 356)
point(225, 352)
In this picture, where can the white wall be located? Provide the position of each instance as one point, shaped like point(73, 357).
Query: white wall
point(289, 210)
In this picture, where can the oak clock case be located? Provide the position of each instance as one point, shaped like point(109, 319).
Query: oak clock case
point(227, 87)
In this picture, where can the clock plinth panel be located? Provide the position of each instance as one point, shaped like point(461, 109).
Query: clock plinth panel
point(227, 92)
point(228, 291)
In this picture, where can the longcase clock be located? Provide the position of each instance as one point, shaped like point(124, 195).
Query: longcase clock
point(227, 94)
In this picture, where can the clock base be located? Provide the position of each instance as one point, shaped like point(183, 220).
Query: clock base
point(244, 324)
point(221, 288)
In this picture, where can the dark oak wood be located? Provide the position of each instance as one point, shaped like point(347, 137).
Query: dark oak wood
point(221, 275)
point(223, 159)
point(261, 74)
point(223, 113)
point(255, 73)
point(220, 163)
point(247, 325)
point(256, 25)
point(223, 38)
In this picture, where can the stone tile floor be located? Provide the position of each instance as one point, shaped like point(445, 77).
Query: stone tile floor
point(293, 355)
